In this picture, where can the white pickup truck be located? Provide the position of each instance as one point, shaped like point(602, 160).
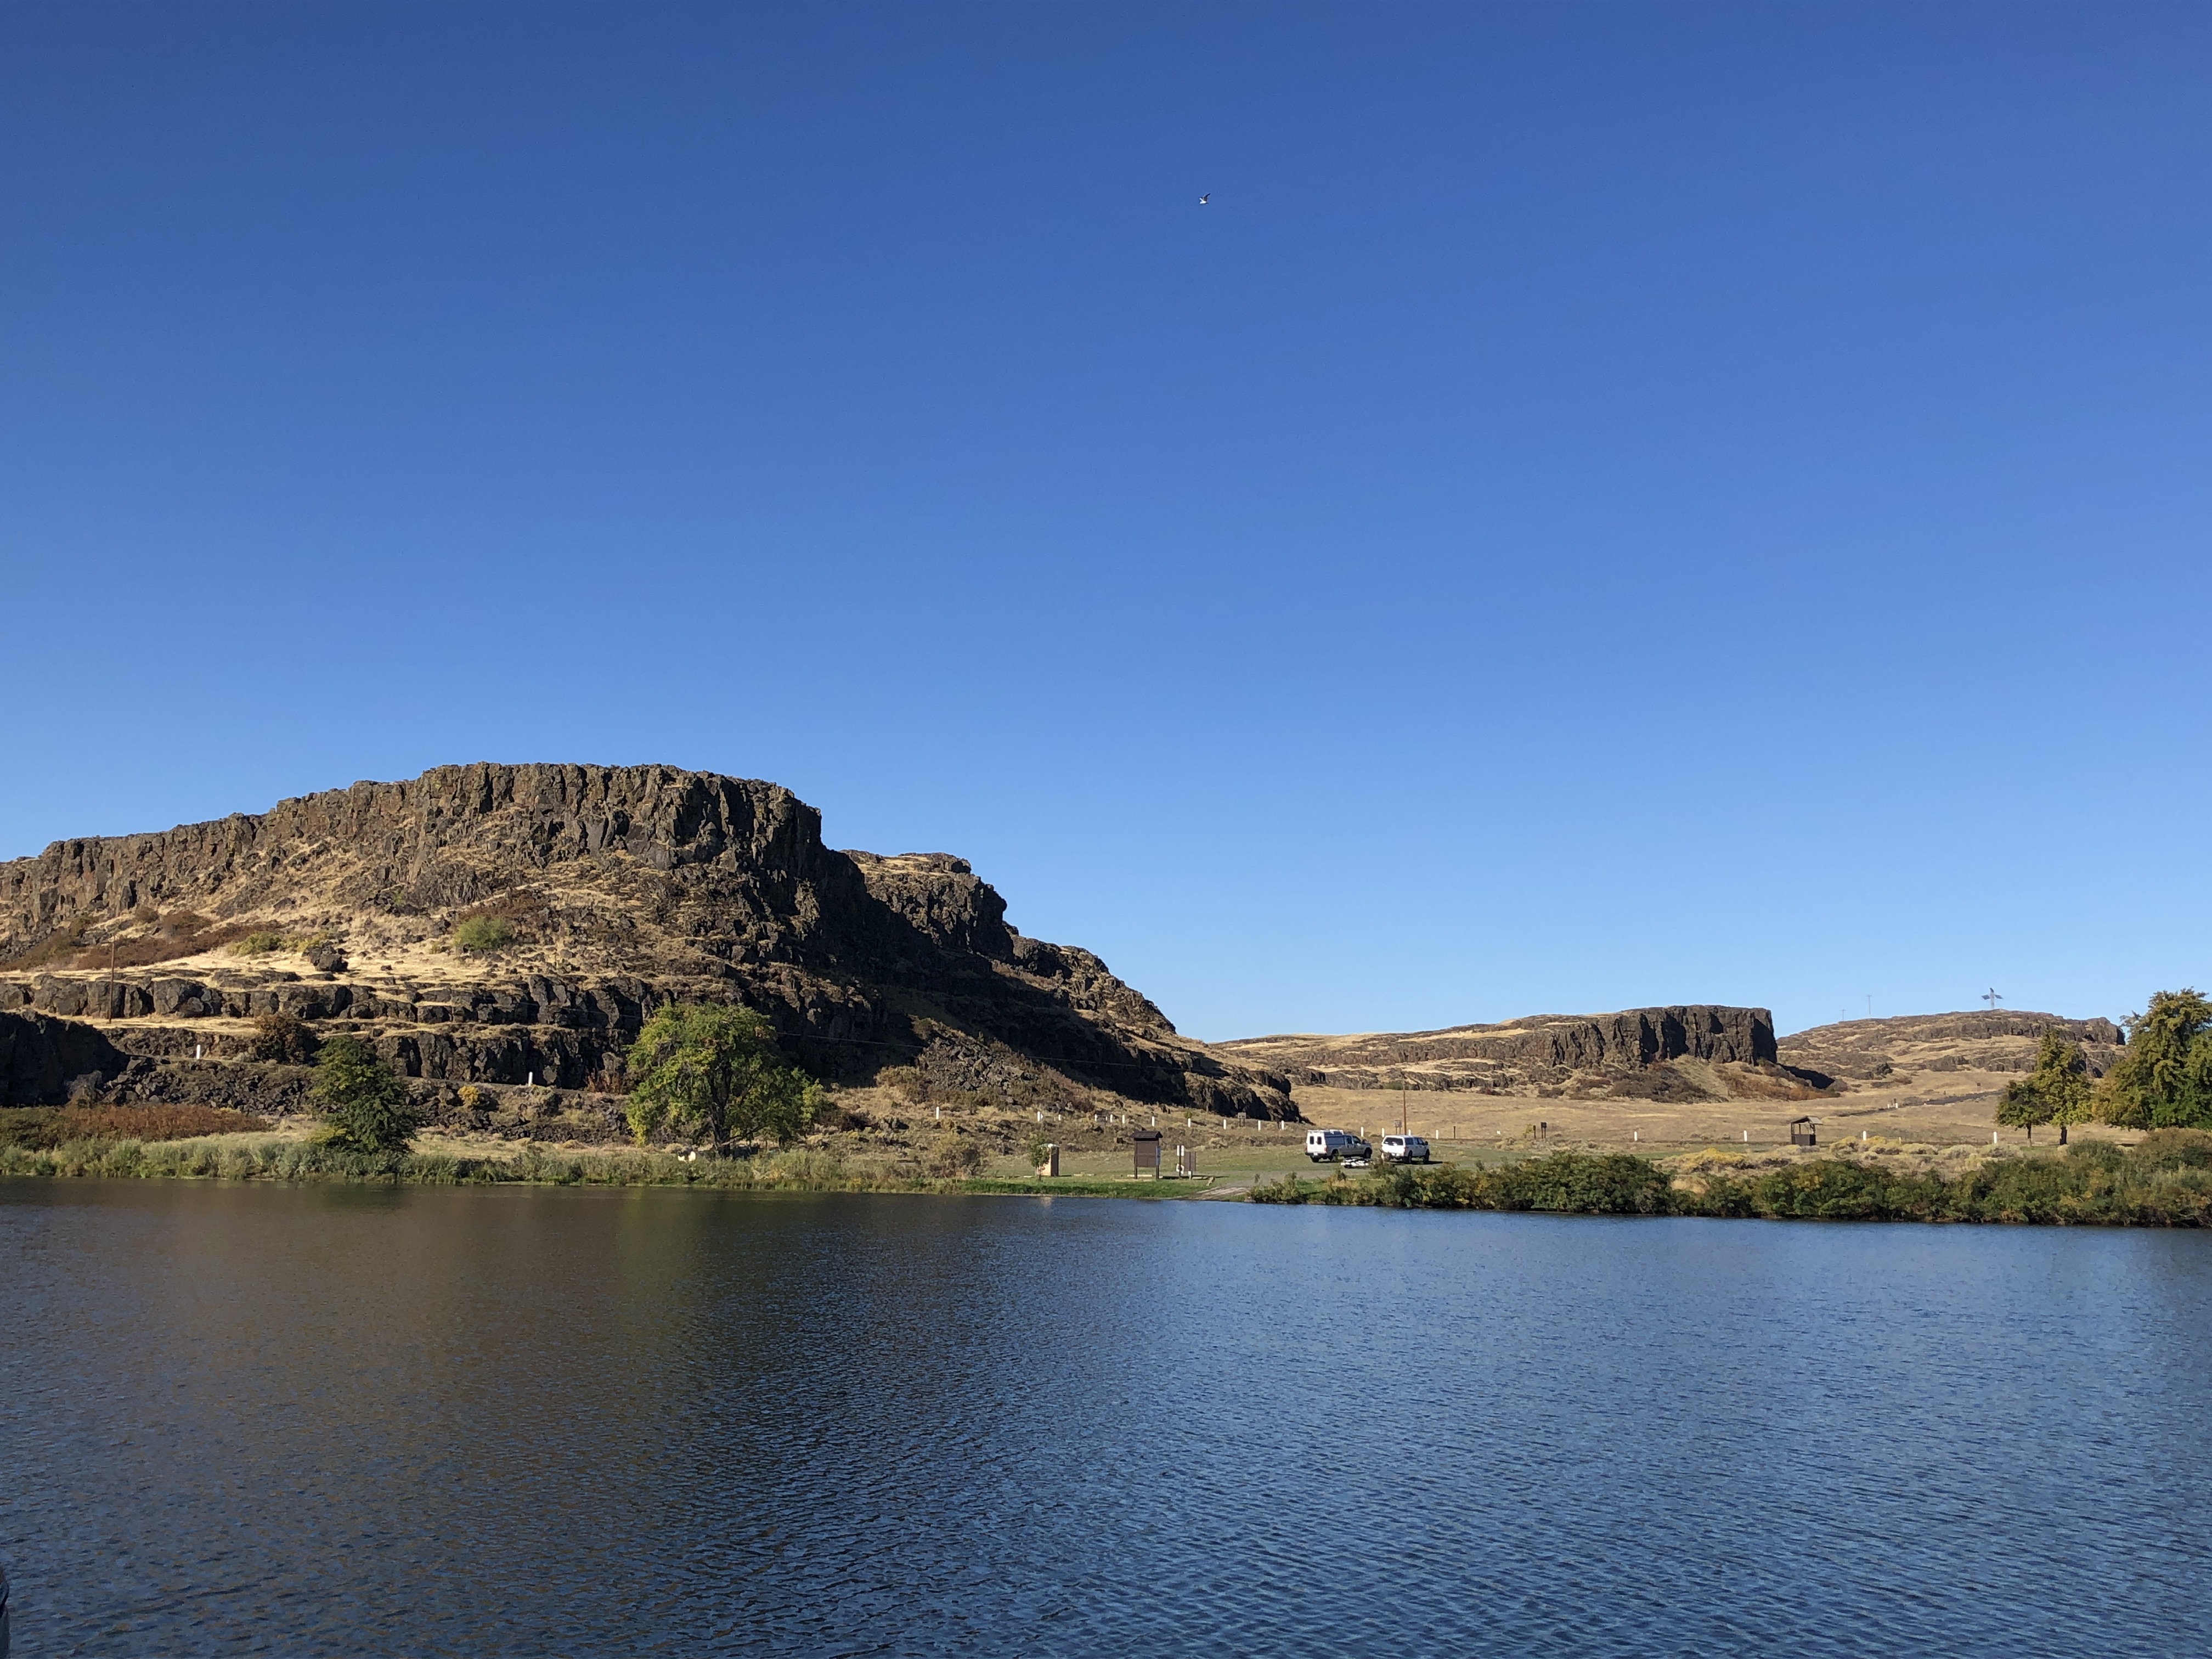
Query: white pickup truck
point(1324, 1145)
point(1405, 1148)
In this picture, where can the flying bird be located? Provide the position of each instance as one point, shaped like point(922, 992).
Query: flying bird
point(1204, 199)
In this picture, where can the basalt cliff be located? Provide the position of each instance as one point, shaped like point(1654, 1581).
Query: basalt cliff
point(2000, 1040)
point(1684, 1051)
point(506, 925)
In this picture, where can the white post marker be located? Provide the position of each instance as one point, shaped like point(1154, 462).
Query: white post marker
point(1746, 1136)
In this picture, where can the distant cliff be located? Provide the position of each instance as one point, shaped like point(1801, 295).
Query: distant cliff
point(598, 892)
point(1520, 1055)
point(1978, 1040)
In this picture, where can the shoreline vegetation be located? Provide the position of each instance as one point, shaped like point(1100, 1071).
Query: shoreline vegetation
point(2164, 1181)
point(713, 1072)
point(281, 1158)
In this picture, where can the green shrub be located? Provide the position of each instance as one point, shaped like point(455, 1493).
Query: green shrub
point(484, 933)
point(1611, 1183)
point(259, 943)
point(958, 1157)
point(284, 1038)
point(26, 1126)
point(1828, 1190)
point(2175, 1149)
point(2102, 1154)
point(2167, 1181)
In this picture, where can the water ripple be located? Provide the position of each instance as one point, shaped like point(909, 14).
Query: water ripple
point(318, 1421)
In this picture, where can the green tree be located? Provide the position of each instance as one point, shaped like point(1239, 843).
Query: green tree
point(366, 1108)
point(2164, 1079)
point(2065, 1073)
point(2057, 1091)
point(713, 1066)
point(2022, 1106)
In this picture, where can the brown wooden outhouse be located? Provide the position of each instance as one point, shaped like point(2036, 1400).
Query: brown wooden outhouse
point(1148, 1144)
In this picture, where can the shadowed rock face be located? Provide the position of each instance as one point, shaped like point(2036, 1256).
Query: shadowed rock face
point(40, 1057)
point(1518, 1052)
point(622, 888)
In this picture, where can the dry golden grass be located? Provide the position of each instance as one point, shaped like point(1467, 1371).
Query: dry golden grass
point(149, 1122)
point(1903, 1114)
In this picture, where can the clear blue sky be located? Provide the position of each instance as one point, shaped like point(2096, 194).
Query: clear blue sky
point(1607, 505)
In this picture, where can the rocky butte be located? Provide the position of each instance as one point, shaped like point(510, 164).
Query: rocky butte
point(1639, 1054)
point(134, 966)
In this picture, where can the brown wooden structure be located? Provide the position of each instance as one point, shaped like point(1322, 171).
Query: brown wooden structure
point(1147, 1145)
point(1801, 1132)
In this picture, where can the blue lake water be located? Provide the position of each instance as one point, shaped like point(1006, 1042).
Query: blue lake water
point(325, 1420)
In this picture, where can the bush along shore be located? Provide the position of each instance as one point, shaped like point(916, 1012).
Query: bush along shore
point(2164, 1181)
point(803, 1170)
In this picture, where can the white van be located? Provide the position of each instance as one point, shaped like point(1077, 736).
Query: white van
point(1324, 1145)
point(1405, 1148)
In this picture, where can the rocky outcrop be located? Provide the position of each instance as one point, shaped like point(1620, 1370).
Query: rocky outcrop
point(44, 1060)
point(1878, 1050)
point(1519, 1053)
point(613, 890)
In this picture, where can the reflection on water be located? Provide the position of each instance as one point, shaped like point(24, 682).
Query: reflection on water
point(336, 1420)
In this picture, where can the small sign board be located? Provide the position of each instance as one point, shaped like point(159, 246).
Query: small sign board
point(1147, 1145)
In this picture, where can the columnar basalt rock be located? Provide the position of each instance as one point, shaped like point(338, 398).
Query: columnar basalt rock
point(605, 891)
point(1519, 1052)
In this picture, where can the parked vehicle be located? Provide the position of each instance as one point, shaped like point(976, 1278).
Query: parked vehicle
point(1324, 1145)
point(1405, 1148)
point(1353, 1164)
